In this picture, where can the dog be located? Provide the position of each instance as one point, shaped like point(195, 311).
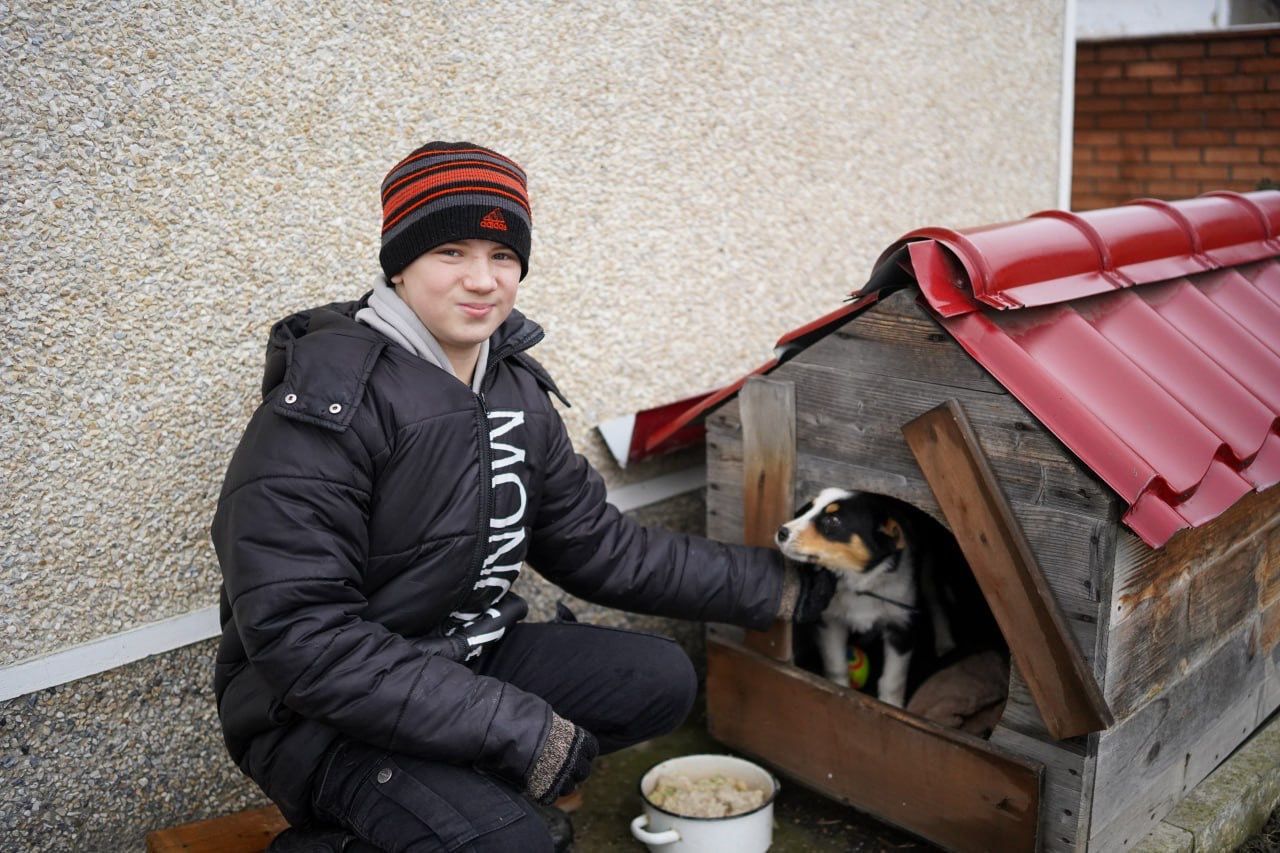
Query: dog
point(884, 553)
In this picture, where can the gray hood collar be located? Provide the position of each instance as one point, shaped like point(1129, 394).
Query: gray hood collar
point(389, 314)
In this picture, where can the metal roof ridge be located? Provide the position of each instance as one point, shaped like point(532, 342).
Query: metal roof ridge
point(1058, 256)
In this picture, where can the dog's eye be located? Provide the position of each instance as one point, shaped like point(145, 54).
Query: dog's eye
point(828, 523)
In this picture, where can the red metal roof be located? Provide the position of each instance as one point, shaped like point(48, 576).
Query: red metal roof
point(1169, 391)
point(1145, 337)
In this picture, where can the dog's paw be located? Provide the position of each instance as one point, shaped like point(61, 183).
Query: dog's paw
point(892, 697)
point(840, 678)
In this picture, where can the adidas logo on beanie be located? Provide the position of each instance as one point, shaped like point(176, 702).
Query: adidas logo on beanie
point(447, 191)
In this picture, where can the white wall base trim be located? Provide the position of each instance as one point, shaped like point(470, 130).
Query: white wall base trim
point(154, 638)
point(107, 653)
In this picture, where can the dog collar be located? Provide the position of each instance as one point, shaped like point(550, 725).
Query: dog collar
point(893, 567)
point(907, 607)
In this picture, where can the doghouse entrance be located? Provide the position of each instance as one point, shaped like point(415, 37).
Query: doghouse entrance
point(958, 790)
point(958, 676)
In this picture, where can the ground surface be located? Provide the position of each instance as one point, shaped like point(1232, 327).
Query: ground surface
point(804, 822)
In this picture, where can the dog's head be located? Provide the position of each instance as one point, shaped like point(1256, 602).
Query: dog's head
point(838, 529)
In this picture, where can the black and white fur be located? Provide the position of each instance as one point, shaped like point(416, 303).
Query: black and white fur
point(872, 544)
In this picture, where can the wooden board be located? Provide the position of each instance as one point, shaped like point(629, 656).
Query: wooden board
point(1147, 762)
point(856, 417)
point(955, 790)
point(1061, 799)
point(1002, 561)
point(244, 832)
point(1173, 606)
point(1142, 572)
point(1269, 648)
point(768, 409)
point(897, 337)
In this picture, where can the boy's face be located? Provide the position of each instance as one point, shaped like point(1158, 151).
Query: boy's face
point(461, 291)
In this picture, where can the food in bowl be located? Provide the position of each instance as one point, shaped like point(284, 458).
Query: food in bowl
point(710, 796)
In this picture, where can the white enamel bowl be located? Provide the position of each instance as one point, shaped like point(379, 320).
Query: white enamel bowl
point(665, 832)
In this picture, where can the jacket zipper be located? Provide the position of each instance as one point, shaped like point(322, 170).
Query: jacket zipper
point(486, 467)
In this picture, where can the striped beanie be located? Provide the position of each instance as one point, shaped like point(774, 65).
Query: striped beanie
point(447, 191)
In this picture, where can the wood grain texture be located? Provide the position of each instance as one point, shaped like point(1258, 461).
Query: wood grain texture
point(850, 416)
point(1146, 762)
point(244, 832)
point(988, 532)
point(955, 790)
point(768, 410)
point(1061, 798)
point(898, 338)
point(1171, 607)
point(1142, 572)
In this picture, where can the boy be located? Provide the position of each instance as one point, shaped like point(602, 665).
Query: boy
point(374, 677)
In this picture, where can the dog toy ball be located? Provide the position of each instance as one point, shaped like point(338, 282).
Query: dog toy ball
point(859, 668)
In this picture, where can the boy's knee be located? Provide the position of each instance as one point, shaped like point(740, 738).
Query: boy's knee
point(672, 684)
point(684, 685)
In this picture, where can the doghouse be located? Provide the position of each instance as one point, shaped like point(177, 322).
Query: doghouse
point(1091, 403)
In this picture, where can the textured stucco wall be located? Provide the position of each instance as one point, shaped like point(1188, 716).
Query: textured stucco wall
point(704, 176)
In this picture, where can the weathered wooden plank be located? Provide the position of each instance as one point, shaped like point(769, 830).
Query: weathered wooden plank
point(1174, 609)
point(1146, 649)
point(1002, 561)
point(873, 756)
point(897, 338)
point(1142, 572)
point(768, 411)
point(1151, 800)
point(244, 832)
point(845, 415)
point(1061, 799)
point(1269, 648)
point(1221, 596)
point(1145, 762)
point(1268, 574)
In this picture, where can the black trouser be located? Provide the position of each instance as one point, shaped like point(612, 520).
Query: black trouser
point(623, 687)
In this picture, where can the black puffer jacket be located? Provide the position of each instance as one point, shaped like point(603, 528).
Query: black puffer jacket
point(350, 526)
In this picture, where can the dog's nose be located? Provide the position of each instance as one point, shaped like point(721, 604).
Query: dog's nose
point(783, 535)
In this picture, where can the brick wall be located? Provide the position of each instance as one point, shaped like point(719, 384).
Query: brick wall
point(1174, 116)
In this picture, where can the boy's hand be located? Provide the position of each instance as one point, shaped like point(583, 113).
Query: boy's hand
point(563, 762)
point(817, 585)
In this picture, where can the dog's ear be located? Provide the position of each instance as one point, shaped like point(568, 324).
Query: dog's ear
point(893, 530)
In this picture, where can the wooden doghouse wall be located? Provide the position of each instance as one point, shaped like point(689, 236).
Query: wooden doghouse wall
point(1193, 663)
point(855, 389)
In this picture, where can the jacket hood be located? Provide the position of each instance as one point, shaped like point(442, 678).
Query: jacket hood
point(323, 357)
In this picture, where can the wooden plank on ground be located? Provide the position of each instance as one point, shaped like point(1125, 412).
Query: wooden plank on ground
point(1002, 561)
point(244, 832)
point(953, 789)
point(768, 410)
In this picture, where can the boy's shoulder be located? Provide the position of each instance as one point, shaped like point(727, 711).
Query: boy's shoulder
point(318, 364)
